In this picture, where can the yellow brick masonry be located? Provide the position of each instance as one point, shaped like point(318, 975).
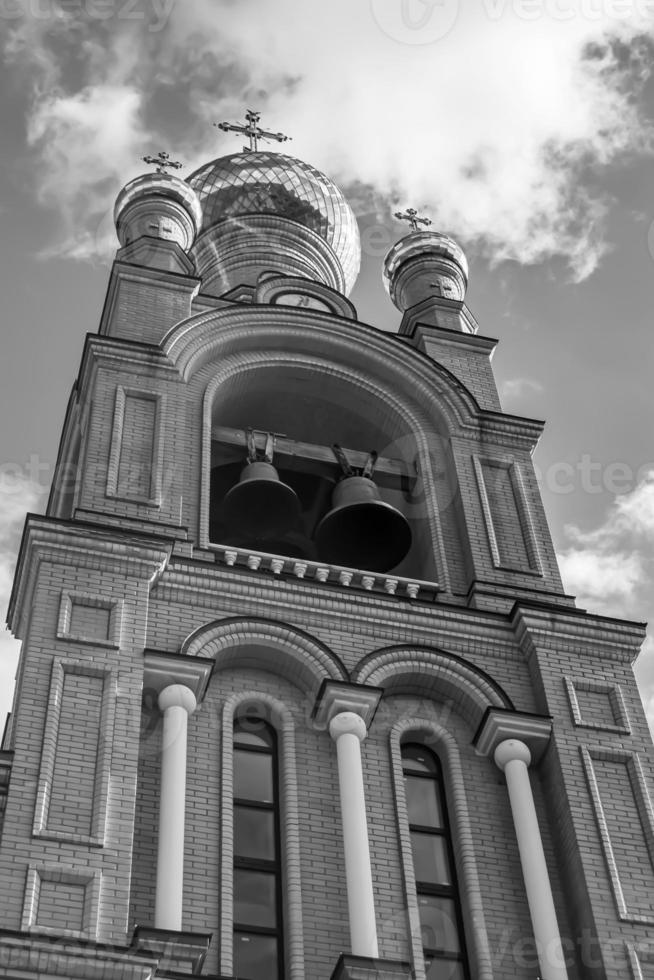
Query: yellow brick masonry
point(275, 638)
point(339, 627)
point(58, 560)
point(354, 626)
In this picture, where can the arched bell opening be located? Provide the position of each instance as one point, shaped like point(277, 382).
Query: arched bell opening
point(296, 413)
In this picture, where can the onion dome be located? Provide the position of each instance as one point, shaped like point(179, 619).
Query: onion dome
point(157, 205)
point(425, 265)
point(266, 212)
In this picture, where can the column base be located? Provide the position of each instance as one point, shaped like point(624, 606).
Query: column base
point(364, 968)
point(178, 952)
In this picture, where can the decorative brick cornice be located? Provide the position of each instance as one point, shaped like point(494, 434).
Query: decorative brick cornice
point(411, 324)
point(164, 279)
point(63, 541)
point(22, 954)
point(320, 573)
point(540, 627)
point(120, 351)
point(420, 622)
point(411, 318)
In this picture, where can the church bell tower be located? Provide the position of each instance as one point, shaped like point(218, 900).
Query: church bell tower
point(301, 695)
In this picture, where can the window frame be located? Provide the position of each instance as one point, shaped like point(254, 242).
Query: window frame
point(444, 832)
point(263, 865)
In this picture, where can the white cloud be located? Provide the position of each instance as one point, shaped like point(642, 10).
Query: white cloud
point(603, 581)
point(611, 570)
point(610, 567)
point(86, 140)
point(491, 125)
point(513, 389)
point(490, 128)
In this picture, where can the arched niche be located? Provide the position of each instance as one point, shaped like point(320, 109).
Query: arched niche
point(266, 645)
point(427, 672)
point(309, 403)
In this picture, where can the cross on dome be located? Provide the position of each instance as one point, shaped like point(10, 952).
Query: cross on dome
point(411, 215)
point(162, 161)
point(252, 130)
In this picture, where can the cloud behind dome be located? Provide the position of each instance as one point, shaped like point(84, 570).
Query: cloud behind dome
point(501, 125)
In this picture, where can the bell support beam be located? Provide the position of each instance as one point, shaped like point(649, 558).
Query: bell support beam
point(514, 741)
point(310, 457)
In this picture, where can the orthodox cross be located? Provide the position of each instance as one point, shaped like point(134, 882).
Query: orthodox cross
point(411, 215)
point(252, 130)
point(162, 161)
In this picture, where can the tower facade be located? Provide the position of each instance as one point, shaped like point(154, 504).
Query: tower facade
point(301, 694)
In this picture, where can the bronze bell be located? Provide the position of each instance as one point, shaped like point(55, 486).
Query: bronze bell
point(361, 530)
point(260, 503)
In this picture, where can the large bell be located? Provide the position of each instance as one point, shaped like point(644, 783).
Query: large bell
point(260, 503)
point(361, 530)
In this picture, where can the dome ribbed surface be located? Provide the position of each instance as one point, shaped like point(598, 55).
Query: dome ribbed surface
point(272, 183)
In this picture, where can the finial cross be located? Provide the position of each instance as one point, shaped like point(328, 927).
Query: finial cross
point(162, 161)
point(411, 215)
point(252, 130)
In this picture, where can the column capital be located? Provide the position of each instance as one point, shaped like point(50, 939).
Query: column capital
point(178, 696)
point(162, 670)
point(335, 697)
point(511, 750)
point(500, 725)
point(347, 723)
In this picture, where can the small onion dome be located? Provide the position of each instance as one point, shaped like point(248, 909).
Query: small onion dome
point(265, 211)
point(423, 265)
point(160, 206)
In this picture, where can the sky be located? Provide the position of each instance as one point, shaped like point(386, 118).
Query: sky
point(523, 128)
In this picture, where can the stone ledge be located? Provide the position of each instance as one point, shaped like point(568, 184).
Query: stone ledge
point(363, 968)
point(26, 955)
point(320, 573)
point(178, 952)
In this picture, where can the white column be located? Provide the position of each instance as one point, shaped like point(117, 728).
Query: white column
point(177, 702)
point(348, 731)
point(513, 757)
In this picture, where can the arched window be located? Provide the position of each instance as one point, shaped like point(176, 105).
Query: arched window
point(436, 887)
point(258, 953)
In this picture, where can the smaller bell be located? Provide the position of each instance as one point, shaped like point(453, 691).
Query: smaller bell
point(260, 503)
point(361, 530)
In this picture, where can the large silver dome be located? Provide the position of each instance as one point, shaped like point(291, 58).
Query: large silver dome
point(276, 184)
